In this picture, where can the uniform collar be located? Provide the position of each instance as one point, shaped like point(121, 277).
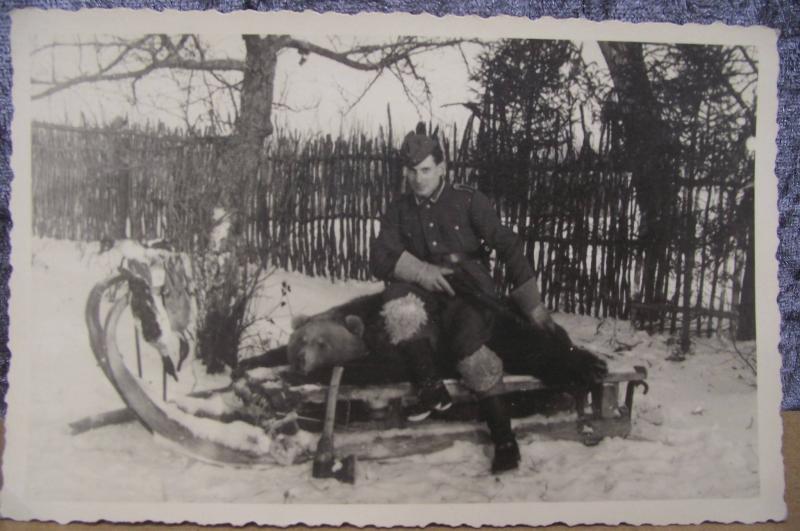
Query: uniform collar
point(434, 196)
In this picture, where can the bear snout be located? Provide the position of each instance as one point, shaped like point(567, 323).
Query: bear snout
point(299, 363)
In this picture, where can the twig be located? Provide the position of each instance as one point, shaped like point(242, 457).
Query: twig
point(747, 362)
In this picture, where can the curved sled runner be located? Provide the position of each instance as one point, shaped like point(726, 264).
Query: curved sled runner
point(103, 339)
point(369, 420)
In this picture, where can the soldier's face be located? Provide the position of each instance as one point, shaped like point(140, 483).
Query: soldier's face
point(425, 177)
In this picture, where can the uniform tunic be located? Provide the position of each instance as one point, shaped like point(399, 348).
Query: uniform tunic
point(455, 219)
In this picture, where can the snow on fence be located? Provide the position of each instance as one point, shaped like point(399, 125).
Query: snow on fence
point(315, 204)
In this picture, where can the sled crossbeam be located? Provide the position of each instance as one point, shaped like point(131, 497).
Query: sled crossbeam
point(375, 442)
point(406, 392)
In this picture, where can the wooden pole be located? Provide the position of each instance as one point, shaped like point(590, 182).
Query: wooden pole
point(138, 351)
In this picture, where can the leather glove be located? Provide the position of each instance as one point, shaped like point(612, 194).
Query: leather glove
point(431, 277)
point(540, 318)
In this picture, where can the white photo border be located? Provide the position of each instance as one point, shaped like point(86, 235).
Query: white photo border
point(768, 505)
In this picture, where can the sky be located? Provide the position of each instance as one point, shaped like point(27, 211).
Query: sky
point(320, 92)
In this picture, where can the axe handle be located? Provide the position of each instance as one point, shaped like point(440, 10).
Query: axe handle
point(330, 403)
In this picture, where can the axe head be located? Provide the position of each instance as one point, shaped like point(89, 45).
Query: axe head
point(327, 466)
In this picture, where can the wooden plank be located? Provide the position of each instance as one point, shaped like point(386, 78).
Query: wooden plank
point(108, 418)
point(432, 436)
point(316, 393)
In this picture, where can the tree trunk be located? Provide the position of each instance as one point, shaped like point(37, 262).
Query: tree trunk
point(255, 118)
point(240, 161)
point(651, 156)
point(123, 187)
point(220, 334)
point(746, 326)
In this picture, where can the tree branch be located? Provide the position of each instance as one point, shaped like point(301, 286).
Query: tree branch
point(363, 92)
point(176, 63)
point(404, 48)
point(747, 58)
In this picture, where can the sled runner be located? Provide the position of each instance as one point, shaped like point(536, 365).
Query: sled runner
point(266, 415)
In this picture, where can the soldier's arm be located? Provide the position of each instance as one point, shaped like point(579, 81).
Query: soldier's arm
point(386, 249)
point(509, 249)
point(390, 260)
point(501, 238)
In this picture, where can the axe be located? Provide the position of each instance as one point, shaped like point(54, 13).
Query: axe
point(326, 465)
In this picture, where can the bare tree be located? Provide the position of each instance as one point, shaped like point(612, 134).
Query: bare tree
point(651, 152)
point(664, 102)
point(132, 60)
point(248, 84)
point(225, 292)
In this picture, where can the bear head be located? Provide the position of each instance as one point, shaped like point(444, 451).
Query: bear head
point(324, 341)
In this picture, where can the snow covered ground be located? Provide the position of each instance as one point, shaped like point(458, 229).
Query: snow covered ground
point(694, 434)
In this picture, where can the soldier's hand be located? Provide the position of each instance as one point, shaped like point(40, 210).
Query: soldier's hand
point(433, 278)
point(409, 268)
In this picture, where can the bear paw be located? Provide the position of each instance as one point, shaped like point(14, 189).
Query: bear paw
point(586, 368)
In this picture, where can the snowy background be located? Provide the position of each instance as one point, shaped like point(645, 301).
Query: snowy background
point(694, 435)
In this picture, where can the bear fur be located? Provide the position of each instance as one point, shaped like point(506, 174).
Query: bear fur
point(355, 335)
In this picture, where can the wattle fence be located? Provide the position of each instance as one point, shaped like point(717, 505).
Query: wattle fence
point(315, 205)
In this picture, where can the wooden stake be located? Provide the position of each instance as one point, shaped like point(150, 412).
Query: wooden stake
point(138, 351)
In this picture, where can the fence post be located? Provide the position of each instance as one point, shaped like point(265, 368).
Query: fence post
point(688, 249)
point(122, 177)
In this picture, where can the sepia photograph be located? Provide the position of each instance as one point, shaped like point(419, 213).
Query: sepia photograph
point(392, 270)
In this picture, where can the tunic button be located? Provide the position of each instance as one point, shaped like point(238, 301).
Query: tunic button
point(433, 243)
point(456, 227)
point(430, 224)
point(428, 205)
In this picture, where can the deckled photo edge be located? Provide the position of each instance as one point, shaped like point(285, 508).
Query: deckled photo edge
point(769, 505)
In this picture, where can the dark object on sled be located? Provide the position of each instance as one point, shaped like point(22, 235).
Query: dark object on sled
point(102, 327)
point(381, 405)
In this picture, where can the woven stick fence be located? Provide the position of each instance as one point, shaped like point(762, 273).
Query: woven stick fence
point(316, 203)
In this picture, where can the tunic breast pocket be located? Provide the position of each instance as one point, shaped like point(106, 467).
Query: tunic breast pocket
point(462, 232)
point(410, 238)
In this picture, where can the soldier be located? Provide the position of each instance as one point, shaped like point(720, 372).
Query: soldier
point(424, 236)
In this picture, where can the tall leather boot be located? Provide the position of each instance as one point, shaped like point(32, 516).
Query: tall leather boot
point(432, 395)
point(506, 451)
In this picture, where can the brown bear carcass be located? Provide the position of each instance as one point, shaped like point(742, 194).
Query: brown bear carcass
point(355, 335)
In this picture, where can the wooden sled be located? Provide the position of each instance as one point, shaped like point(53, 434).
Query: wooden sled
point(371, 423)
point(369, 419)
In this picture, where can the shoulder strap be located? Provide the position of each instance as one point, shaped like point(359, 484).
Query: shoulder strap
point(463, 188)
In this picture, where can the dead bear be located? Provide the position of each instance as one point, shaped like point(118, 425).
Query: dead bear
point(355, 334)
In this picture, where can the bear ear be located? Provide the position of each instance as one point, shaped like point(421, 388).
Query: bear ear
point(355, 325)
point(299, 321)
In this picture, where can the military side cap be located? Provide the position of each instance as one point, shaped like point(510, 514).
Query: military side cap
point(417, 146)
